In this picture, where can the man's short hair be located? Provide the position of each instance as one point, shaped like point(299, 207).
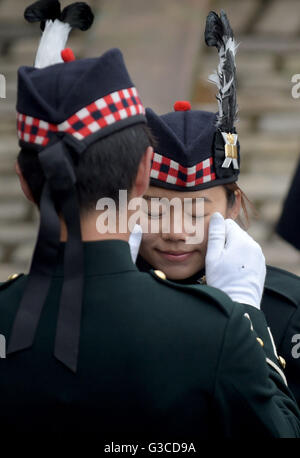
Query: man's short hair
point(104, 168)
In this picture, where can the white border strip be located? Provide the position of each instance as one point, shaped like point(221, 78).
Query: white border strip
point(277, 369)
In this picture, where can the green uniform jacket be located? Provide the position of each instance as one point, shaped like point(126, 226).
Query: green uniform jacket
point(281, 305)
point(156, 360)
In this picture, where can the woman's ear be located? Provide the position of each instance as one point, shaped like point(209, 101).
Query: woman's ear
point(234, 211)
point(23, 183)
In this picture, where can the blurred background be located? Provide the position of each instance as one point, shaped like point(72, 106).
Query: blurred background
point(163, 44)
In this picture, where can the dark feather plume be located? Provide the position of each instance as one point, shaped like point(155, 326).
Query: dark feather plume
point(42, 10)
point(218, 33)
point(79, 15)
point(213, 30)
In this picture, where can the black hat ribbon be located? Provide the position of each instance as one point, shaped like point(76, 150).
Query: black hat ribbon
point(59, 195)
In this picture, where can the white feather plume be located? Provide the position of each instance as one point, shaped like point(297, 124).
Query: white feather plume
point(53, 41)
point(217, 75)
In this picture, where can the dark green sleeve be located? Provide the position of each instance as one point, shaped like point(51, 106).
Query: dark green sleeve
point(262, 330)
point(251, 396)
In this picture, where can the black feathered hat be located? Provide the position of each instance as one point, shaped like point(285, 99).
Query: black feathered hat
point(199, 149)
point(62, 109)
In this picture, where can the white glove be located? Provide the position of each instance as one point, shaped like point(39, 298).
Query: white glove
point(135, 242)
point(234, 262)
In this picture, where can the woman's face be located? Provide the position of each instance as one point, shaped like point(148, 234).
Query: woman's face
point(168, 251)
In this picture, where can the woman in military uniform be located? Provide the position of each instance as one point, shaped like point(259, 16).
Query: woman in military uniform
point(198, 156)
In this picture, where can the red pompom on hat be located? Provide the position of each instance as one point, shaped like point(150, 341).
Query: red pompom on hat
point(182, 105)
point(67, 55)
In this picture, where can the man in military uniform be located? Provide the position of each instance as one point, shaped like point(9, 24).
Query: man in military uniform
point(134, 354)
point(288, 224)
point(196, 158)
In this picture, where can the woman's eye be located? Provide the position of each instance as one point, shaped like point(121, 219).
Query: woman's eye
point(154, 214)
point(155, 211)
point(198, 216)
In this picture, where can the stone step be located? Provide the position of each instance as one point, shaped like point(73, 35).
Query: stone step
point(11, 93)
point(9, 69)
point(22, 256)
point(270, 212)
point(24, 51)
point(259, 230)
point(274, 147)
point(270, 81)
point(239, 13)
point(280, 18)
point(292, 63)
point(12, 235)
point(269, 44)
point(13, 211)
point(8, 145)
point(280, 123)
point(276, 251)
point(7, 166)
point(261, 188)
point(7, 127)
point(259, 101)
point(13, 9)
point(11, 33)
point(9, 188)
point(281, 254)
point(8, 110)
point(267, 166)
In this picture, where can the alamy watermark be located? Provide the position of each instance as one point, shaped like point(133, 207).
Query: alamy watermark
point(296, 347)
point(296, 88)
point(2, 347)
point(154, 215)
point(2, 87)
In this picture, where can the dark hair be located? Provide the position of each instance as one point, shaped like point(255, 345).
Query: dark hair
point(104, 168)
point(230, 194)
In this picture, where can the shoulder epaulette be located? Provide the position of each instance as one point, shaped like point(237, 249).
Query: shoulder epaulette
point(284, 283)
point(198, 290)
point(11, 279)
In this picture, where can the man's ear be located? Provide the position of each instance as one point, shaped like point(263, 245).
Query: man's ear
point(234, 211)
point(141, 183)
point(23, 183)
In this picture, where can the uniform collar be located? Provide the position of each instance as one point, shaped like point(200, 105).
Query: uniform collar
point(197, 278)
point(101, 258)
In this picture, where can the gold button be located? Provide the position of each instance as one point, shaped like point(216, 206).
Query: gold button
point(12, 277)
point(160, 274)
point(282, 362)
point(260, 341)
point(203, 280)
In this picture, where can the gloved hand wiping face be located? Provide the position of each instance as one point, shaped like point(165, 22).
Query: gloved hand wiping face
point(234, 262)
